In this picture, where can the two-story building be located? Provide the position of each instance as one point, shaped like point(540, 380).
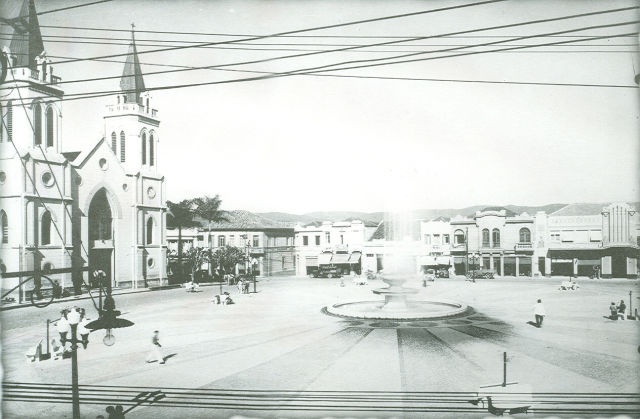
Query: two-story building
point(580, 239)
point(331, 243)
point(576, 240)
point(269, 246)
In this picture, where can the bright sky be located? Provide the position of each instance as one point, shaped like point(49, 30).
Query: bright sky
point(310, 143)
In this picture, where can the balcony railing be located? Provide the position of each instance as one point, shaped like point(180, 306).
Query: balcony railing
point(523, 247)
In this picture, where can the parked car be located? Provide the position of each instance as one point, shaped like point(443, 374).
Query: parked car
point(327, 271)
point(442, 273)
point(482, 273)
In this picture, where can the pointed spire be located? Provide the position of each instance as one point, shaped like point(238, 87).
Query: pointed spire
point(26, 43)
point(132, 82)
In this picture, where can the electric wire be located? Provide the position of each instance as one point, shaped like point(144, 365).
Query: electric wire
point(337, 25)
point(418, 53)
point(87, 95)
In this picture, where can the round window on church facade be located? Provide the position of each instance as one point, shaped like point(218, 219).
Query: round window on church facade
point(3, 178)
point(125, 187)
point(78, 180)
point(151, 263)
point(103, 164)
point(47, 179)
point(151, 193)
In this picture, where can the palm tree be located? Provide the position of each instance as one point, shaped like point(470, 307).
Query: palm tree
point(209, 209)
point(180, 215)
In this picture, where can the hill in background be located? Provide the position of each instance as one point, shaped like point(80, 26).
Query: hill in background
point(244, 219)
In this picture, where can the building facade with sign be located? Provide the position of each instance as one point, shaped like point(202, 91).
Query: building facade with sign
point(339, 243)
point(576, 240)
point(102, 208)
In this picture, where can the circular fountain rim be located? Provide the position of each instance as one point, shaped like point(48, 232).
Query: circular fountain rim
point(408, 315)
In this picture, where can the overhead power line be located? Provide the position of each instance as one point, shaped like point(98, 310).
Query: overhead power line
point(89, 95)
point(327, 67)
point(150, 43)
point(533, 22)
point(337, 25)
point(85, 28)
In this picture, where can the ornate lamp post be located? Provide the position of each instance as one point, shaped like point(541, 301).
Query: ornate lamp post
point(74, 318)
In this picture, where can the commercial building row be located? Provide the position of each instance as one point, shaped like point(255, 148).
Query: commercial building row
point(577, 240)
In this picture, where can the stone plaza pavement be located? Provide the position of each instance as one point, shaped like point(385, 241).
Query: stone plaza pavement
point(275, 354)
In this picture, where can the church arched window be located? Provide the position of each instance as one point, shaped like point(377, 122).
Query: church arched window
point(45, 228)
point(113, 142)
point(144, 148)
point(122, 147)
point(5, 227)
point(49, 133)
point(37, 124)
point(150, 230)
point(151, 151)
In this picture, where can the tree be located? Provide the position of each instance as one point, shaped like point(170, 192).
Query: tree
point(180, 215)
point(196, 257)
point(227, 257)
point(209, 209)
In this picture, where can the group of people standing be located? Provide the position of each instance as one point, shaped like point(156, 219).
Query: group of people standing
point(618, 311)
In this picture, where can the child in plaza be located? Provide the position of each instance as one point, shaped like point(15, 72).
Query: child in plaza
point(613, 310)
point(156, 353)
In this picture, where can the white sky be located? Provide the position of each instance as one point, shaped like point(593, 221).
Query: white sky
point(308, 143)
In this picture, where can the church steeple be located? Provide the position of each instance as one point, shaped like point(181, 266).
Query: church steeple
point(26, 43)
point(132, 83)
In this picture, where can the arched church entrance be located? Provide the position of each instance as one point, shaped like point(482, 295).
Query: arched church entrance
point(100, 235)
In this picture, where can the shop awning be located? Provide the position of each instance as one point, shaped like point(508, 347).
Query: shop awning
point(443, 260)
point(575, 253)
point(340, 258)
point(427, 260)
point(311, 261)
point(355, 258)
point(324, 258)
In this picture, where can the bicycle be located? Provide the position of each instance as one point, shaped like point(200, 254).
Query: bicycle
point(41, 294)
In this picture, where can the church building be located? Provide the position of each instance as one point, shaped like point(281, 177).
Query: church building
point(102, 208)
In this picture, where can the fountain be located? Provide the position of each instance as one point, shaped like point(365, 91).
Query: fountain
point(400, 264)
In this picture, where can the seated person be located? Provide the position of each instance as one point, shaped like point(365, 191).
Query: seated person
point(228, 300)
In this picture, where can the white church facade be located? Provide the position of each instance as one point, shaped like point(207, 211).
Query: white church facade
point(101, 208)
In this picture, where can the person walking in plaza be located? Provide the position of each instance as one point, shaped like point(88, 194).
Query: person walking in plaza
point(156, 352)
point(539, 312)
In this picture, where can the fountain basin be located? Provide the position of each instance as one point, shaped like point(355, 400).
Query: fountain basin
point(408, 310)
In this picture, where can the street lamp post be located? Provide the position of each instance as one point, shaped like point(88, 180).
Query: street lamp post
point(74, 318)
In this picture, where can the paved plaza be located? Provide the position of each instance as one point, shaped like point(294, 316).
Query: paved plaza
point(276, 354)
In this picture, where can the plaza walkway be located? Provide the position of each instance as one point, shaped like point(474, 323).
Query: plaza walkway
point(275, 354)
